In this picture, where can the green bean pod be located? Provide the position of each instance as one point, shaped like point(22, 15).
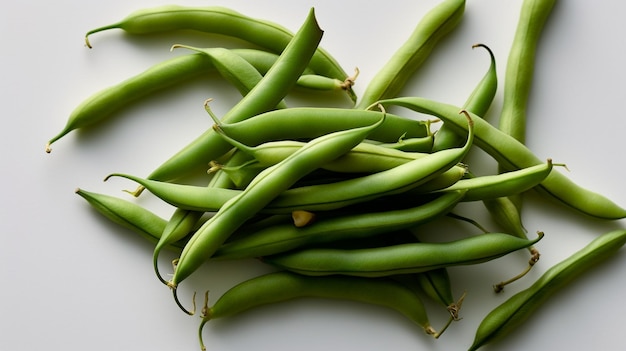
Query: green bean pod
point(209, 199)
point(283, 237)
point(160, 76)
point(435, 24)
point(312, 122)
point(393, 181)
point(283, 286)
point(503, 184)
point(262, 98)
point(363, 158)
point(401, 258)
point(220, 20)
point(508, 316)
point(262, 190)
point(127, 214)
point(520, 67)
point(515, 155)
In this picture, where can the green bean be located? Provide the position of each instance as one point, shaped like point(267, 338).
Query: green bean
point(396, 180)
point(435, 24)
point(239, 72)
point(265, 187)
point(183, 220)
point(108, 101)
point(263, 97)
point(478, 103)
point(401, 258)
point(283, 237)
point(521, 65)
point(363, 158)
point(503, 184)
point(125, 213)
point(220, 20)
point(200, 198)
point(518, 308)
point(514, 155)
point(312, 122)
point(282, 286)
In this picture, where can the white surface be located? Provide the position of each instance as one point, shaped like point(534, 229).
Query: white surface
point(74, 281)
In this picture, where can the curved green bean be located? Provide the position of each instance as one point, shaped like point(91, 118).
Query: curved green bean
point(282, 286)
point(434, 25)
point(220, 20)
point(515, 155)
point(401, 258)
point(518, 308)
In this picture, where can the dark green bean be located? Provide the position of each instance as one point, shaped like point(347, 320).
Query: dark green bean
point(282, 286)
point(508, 316)
point(400, 259)
point(510, 152)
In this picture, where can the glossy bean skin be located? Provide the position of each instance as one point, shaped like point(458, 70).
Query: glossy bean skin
point(400, 259)
point(423, 144)
point(283, 237)
point(220, 20)
point(263, 97)
point(283, 286)
point(515, 155)
point(505, 318)
point(262, 190)
point(434, 25)
point(503, 184)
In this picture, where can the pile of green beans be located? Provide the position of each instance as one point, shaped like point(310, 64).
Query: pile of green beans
point(333, 200)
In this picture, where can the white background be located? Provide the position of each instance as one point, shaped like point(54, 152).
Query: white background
point(74, 281)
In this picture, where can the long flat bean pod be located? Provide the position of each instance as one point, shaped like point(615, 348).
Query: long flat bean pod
point(515, 155)
point(263, 97)
point(401, 258)
point(265, 187)
point(283, 286)
point(435, 24)
point(518, 308)
point(220, 20)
